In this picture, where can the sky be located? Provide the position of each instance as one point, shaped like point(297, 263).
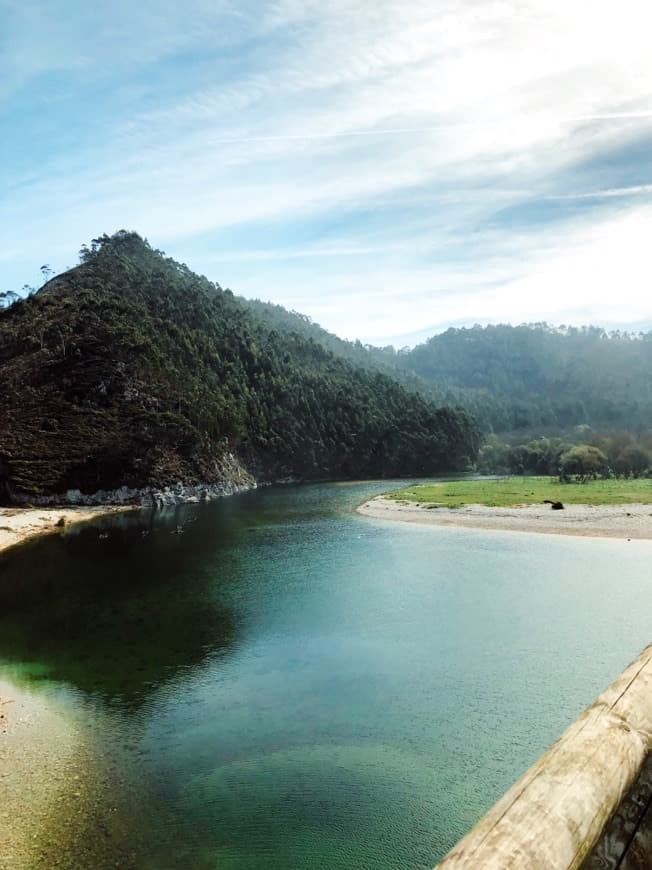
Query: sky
point(388, 167)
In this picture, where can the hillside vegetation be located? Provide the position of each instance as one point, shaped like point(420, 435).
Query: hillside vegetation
point(528, 378)
point(131, 370)
point(539, 377)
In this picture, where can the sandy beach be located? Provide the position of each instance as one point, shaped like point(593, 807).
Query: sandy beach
point(625, 521)
point(20, 524)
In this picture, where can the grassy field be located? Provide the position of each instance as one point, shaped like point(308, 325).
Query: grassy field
point(524, 490)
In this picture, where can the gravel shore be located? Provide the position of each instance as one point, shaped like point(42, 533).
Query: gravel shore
point(41, 769)
point(64, 798)
point(625, 521)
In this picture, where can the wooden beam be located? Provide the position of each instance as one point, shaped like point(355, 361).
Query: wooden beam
point(553, 816)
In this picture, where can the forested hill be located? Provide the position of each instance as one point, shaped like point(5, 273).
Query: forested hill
point(366, 356)
point(131, 370)
point(536, 376)
point(529, 377)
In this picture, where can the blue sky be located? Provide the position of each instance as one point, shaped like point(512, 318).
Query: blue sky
point(387, 167)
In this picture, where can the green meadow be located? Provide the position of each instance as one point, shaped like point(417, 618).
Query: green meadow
point(508, 491)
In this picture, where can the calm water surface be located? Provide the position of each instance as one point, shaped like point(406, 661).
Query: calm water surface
point(296, 686)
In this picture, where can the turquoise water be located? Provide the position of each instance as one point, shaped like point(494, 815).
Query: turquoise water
point(297, 686)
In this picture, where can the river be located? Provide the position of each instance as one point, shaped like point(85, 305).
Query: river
point(282, 683)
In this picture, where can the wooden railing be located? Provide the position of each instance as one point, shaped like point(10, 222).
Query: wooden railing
point(587, 802)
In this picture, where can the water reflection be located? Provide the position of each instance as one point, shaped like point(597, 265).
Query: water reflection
point(119, 606)
point(115, 608)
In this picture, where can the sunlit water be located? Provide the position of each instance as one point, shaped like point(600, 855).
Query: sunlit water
point(297, 686)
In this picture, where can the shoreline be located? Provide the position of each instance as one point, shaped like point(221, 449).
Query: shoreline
point(19, 525)
point(63, 792)
point(621, 521)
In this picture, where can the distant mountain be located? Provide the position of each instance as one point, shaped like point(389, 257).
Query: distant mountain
point(366, 356)
point(537, 376)
point(512, 378)
point(132, 371)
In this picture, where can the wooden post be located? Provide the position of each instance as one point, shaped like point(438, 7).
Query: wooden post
point(554, 815)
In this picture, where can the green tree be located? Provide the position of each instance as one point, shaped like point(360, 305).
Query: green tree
point(633, 460)
point(584, 460)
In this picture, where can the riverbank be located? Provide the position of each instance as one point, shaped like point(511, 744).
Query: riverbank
point(625, 521)
point(65, 798)
point(41, 765)
point(18, 525)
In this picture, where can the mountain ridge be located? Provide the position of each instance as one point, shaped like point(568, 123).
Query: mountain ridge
point(130, 372)
point(514, 377)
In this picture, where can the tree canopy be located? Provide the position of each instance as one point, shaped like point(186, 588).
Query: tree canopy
point(532, 377)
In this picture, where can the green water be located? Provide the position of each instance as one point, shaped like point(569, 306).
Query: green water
point(297, 686)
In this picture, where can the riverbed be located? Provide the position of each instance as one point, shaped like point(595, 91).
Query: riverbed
point(273, 680)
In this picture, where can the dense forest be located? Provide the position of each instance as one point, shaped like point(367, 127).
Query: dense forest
point(131, 370)
point(531, 377)
point(562, 401)
point(539, 377)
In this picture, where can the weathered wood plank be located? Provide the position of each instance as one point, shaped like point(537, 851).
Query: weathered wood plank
point(619, 846)
point(553, 816)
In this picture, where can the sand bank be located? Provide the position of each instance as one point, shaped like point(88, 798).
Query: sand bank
point(20, 524)
point(633, 521)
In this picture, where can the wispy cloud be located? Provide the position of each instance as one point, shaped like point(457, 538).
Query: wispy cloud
point(634, 190)
point(377, 165)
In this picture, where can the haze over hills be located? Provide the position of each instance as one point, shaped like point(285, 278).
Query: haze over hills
point(132, 371)
point(526, 377)
point(537, 376)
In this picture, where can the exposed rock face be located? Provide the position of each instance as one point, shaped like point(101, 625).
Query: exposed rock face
point(236, 479)
point(4, 479)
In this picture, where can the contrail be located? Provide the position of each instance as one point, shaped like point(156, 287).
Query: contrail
point(609, 192)
point(400, 131)
point(337, 135)
point(612, 116)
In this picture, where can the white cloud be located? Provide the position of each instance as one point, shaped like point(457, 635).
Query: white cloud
point(417, 126)
point(600, 273)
